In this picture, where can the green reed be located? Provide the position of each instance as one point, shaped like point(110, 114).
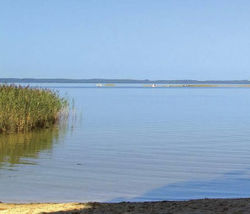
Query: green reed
point(24, 108)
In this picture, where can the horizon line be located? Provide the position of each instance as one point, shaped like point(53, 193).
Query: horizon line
point(131, 79)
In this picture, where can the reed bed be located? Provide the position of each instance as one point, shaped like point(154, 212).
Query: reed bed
point(24, 108)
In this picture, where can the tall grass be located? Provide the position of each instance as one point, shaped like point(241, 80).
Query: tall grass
point(23, 108)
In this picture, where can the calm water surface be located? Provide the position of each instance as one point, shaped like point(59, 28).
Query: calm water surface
point(134, 144)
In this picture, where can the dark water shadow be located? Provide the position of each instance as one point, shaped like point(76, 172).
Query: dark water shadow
point(235, 184)
point(14, 148)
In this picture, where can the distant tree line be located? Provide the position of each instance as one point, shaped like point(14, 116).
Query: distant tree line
point(31, 80)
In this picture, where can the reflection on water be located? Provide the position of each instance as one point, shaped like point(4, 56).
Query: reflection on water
point(134, 144)
point(15, 147)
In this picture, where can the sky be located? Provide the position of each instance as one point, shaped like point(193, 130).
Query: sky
point(135, 39)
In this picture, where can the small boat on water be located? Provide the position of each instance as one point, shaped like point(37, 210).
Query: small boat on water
point(154, 85)
point(99, 85)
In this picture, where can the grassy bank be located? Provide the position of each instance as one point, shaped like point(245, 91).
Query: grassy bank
point(24, 108)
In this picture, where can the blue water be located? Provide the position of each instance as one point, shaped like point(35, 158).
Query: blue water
point(136, 144)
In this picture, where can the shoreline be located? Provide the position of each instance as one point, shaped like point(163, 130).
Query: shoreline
point(204, 206)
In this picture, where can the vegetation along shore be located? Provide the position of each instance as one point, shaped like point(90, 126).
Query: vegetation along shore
point(24, 108)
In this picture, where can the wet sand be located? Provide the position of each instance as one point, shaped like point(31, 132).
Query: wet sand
point(203, 206)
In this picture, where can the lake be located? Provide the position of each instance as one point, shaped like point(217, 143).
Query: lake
point(134, 144)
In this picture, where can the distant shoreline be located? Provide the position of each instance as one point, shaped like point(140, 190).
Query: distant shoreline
point(127, 81)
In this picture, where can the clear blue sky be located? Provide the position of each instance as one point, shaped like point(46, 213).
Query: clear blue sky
point(139, 39)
